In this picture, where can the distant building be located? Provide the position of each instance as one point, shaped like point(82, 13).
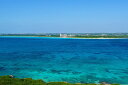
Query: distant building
point(63, 35)
point(103, 34)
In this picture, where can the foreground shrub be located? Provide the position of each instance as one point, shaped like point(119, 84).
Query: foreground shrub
point(7, 80)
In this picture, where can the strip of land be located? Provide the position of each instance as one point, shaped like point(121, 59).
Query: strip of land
point(75, 35)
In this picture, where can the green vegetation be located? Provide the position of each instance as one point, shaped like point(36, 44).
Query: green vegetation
point(108, 36)
point(7, 80)
point(74, 35)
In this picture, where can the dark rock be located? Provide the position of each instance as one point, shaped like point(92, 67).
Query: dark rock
point(11, 76)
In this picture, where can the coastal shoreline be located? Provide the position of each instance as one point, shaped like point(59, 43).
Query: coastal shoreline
point(59, 37)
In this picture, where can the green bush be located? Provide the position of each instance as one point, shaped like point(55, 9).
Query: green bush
point(7, 80)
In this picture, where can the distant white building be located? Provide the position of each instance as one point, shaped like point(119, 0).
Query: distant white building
point(103, 35)
point(63, 35)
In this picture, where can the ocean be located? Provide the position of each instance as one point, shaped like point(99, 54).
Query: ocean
point(65, 59)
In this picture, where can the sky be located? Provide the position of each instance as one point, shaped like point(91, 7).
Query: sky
point(63, 16)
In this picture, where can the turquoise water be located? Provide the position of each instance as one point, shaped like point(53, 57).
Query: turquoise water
point(60, 59)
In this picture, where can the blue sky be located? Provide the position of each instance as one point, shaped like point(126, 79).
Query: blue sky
point(71, 16)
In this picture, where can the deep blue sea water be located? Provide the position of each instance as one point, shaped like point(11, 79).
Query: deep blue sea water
point(60, 59)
